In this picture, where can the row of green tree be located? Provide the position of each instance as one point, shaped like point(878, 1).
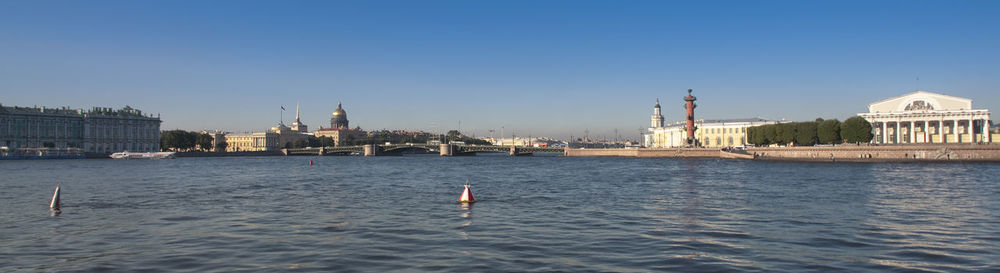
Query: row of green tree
point(852, 130)
point(180, 140)
point(312, 141)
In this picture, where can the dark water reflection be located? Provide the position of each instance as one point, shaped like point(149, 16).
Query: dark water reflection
point(355, 214)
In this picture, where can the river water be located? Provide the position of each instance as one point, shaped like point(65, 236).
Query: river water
point(374, 214)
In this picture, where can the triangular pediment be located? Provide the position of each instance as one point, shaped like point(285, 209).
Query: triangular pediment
point(920, 101)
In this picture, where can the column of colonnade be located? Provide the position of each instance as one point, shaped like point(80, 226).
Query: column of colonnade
point(971, 130)
point(926, 134)
point(899, 131)
point(940, 129)
point(885, 132)
point(912, 139)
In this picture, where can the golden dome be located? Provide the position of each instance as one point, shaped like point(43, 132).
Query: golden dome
point(339, 111)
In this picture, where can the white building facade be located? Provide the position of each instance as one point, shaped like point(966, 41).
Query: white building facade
point(925, 117)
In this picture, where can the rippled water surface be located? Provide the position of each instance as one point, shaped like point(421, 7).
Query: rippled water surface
point(358, 214)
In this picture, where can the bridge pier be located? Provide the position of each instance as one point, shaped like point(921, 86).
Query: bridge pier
point(372, 149)
point(447, 149)
point(514, 151)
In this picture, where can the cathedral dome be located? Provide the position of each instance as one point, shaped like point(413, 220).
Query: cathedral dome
point(339, 119)
point(340, 111)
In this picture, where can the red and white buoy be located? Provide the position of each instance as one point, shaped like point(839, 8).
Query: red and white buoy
point(310, 162)
point(54, 205)
point(467, 194)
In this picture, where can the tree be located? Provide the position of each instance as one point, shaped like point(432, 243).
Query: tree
point(178, 140)
point(314, 141)
point(828, 131)
point(454, 135)
point(770, 134)
point(301, 143)
point(204, 141)
point(327, 141)
point(786, 133)
point(757, 136)
point(221, 147)
point(856, 130)
point(778, 132)
point(805, 133)
point(49, 144)
point(760, 136)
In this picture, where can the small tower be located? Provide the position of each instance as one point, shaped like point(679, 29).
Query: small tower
point(689, 105)
point(657, 119)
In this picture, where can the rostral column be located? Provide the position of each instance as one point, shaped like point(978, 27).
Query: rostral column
point(690, 117)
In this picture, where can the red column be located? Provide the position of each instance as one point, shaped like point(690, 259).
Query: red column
point(690, 119)
point(690, 116)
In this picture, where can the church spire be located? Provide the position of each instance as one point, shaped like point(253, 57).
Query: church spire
point(296, 111)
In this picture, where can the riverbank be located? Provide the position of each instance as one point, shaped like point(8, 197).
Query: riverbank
point(888, 153)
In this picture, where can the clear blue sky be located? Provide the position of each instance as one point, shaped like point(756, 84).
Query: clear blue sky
point(546, 68)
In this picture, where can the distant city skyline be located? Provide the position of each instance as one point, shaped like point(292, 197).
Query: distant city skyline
point(539, 68)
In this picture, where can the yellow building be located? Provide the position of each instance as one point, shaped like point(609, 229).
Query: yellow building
point(252, 142)
point(276, 138)
point(710, 133)
point(287, 137)
point(340, 136)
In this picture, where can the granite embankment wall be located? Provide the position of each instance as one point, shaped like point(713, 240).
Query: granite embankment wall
point(648, 152)
point(955, 152)
point(960, 152)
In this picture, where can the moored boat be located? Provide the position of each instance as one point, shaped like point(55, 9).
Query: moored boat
point(144, 155)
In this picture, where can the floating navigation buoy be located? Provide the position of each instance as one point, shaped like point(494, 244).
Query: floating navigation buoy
point(467, 194)
point(310, 162)
point(55, 200)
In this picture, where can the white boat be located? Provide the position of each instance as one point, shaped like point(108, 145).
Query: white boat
point(133, 155)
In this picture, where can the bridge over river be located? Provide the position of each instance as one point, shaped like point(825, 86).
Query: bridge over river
point(442, 149)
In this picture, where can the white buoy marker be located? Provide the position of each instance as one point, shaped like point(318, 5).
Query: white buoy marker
point(466, 194)
point(55, 200)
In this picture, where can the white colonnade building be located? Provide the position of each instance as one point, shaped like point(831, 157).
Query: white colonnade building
point(925, 117)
